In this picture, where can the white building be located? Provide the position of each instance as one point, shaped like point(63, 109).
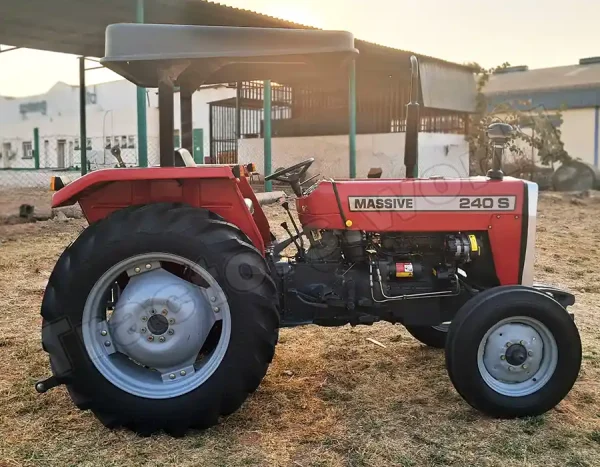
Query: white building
point(111, 113)
point(573, 90)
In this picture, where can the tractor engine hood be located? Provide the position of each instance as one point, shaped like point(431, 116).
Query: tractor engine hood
point(506, 210)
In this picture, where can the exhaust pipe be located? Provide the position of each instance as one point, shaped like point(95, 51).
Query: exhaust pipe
point(413, 121)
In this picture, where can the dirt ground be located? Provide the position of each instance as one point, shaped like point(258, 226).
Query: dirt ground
point(330, 398)
point(11, 199)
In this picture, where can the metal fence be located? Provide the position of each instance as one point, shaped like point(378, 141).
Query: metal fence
point(21, 165)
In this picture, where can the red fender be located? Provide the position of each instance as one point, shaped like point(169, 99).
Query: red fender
point(102, 192)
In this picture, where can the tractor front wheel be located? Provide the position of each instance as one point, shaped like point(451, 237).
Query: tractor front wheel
point(513, 351)
point(160, 317)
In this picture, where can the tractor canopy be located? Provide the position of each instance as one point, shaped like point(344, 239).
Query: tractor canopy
point(190, 56)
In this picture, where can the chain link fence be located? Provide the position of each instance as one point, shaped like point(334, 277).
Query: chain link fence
point(21, 166)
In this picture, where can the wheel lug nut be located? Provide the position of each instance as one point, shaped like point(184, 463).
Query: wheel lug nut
point(103, 333)
point(171, 321)
point(524, 367)
point(148, 266)
point(137, 269)
point(161, 338)
point(502, 357)
point(522, 342)
point(213, 299)
point(172, 376)
point(150, 338)
point(143, 330)
point(165, 311)
point(144, 318)
point(153, 312)
point(530, 353)
point(216, 309)
point(508, 344)
point(182, 373)
point(170, 332)
point(107, 344)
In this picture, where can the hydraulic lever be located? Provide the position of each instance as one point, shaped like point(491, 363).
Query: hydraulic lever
point(285, 205)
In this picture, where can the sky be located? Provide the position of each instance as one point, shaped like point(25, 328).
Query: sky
point(537, 33)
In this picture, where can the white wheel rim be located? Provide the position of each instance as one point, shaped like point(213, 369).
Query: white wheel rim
point(517, 356)
point(166, 367)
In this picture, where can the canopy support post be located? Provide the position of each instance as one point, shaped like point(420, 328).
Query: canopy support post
point(142, 129)
point(166, 123)
point(267, 135)
point(82, 116)
point(185, 104)
point(352, 123)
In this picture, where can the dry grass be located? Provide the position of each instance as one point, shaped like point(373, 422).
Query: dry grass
point(330, 397)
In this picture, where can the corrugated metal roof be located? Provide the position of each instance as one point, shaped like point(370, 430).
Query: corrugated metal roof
point(77, 26)
point(545, 79)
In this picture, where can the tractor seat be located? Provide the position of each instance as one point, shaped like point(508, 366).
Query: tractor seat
point(183, 158)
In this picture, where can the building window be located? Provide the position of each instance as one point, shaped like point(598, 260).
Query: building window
point(107, 143)
point(123, 142)
point(131, 142)
point(89, 143)
point(27, 150)
point(77, 147)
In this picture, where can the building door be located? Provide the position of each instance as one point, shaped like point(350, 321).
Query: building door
point(60, 153)
point(6, 150)
point(198, 145)
point(223, 140)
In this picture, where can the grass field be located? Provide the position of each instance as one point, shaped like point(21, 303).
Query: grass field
point(330, 398)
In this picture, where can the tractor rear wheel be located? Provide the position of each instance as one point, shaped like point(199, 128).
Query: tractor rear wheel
point(160, 317)
point(513, 351)
point(432, 336)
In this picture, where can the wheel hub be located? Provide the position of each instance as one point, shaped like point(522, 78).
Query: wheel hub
point(158, 325)
point(131, 347)
point(516, 354)
point(161, 321)
point(513, 353)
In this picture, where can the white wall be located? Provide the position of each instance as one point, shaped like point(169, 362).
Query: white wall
point(439, 154)
point(578, 133)
point(111, 112)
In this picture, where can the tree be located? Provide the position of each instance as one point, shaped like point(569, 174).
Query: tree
point(545, 135)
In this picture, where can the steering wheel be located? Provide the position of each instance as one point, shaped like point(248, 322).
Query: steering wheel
point(292, 175)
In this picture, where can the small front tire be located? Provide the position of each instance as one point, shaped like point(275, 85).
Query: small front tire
point(513, 351)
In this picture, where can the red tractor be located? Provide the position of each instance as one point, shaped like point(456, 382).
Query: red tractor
point(164, 313)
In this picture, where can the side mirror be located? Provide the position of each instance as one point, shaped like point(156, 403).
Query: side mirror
point(499, 134)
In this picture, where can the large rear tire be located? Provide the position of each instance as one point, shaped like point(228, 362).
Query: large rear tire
point(432, 336)
point(513, 351)
point(205, 283)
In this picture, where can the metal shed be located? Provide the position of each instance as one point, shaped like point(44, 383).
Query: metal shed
point(376, 92)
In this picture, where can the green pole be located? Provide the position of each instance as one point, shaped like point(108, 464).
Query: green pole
point(352, 129)
point(142, 129)
point(82, 116)
point(36, 147)
point(267, 112)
